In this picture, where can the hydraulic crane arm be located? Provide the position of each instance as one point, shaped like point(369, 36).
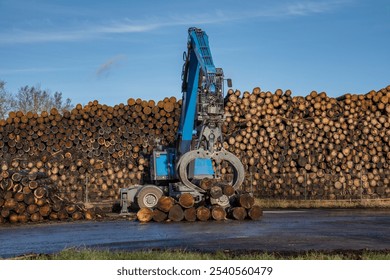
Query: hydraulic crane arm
point(199, 137)
point(202, 89)
point(198, 46)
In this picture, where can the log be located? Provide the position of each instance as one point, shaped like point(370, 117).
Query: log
point(40, 201)
point(63, 215)
point(36, 217)
point(54, 216)
point(159, 216)
point(6, 184)
point(145, 215)
point(40, 192)
point(238, 213)
point(218, 213)
point(20, 208)
point(186, 200)
point(77, 216)
point(70, 209)
point(246, 200)
point(29, 199)
point(228, 190)
point(165, 203)
point(56, 205)
point(10, 203)
point(216, 192)
point(32, 208)
point(206, 183)
point(16, 177)
point(190, 214)
point(169, 106)
point(255, 213)
point(5, 212)
point(89, 215)
point(23, 218)
point(176, 213)
point(19, 197)
point(13, 218)
point(33, 185)
point(203, 213)
point(45, 210)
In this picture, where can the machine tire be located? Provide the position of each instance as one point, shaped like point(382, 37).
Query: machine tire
point(148, 196)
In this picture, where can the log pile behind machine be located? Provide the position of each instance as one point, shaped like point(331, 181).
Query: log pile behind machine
point(313, 147)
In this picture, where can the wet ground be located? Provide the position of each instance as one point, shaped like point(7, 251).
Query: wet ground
point(293, 231)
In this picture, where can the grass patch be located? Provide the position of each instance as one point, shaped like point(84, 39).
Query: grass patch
point(90, 254)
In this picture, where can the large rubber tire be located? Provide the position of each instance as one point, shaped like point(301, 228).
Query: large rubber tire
point(148, 196)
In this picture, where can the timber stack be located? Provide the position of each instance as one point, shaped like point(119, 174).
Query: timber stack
point(90, 152)
point(314, 147)
point(292, 147)
point(27, 196)
point(235, 205)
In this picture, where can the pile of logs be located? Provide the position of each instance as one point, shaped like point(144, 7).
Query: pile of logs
point(91, 151)
point(314, 147)
point(238, 206)
point(26, 196)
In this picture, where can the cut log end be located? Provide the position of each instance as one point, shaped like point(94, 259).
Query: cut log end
point(145, 215)
point(216, 192)
point(239, 213)
point(159, 216)
point(246, 200)
point(203, 213)
point(255, 213)
point(165, 203)
point(218, 213)
point(186, 200)
point(176, 213)
point(228, 190)
point(190, 214)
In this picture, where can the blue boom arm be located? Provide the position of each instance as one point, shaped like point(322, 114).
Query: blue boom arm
point(199, 76)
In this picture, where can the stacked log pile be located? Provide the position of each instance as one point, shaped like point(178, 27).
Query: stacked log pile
point(313, 146)
point(26, 196)
point(238, 206)
point(92, 151)
point(292, 147)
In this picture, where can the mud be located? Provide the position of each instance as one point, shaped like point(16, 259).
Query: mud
point(277, 231)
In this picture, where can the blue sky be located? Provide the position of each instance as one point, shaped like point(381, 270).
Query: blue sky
point(113, 50)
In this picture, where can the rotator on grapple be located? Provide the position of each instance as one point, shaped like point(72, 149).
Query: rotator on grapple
point(198, 151)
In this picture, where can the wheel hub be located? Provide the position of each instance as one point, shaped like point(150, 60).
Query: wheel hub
point(150, 200)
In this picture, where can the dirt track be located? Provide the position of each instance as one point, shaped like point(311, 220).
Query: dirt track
point(278, 231)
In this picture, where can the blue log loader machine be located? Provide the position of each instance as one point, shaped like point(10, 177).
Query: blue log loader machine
point(198, 152)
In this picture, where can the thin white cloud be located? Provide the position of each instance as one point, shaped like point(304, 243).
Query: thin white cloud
point(292, 9)
point(306, 8)
point(127, 27)
point(31, 70)
point(298, 8)
point(76, 34)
